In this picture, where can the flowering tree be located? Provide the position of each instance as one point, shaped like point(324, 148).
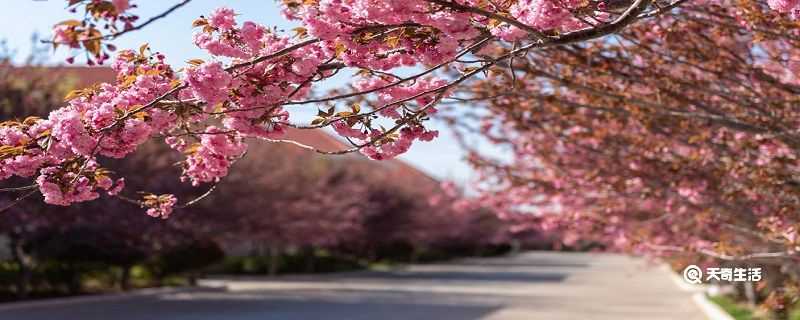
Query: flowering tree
point(676, 135)
point(77, 235)
point(295, 201)
point(257, 75)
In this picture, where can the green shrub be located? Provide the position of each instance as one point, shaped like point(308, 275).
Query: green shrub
point(736, 310)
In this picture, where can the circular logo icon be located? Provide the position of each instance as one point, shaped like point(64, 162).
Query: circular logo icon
point(693, 274)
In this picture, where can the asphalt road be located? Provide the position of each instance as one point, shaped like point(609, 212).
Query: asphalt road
point(535, 285)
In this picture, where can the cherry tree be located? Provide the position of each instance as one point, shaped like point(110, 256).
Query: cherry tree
point(107, 232)
point(295, 201)
point(675, 136)
point(208, 109)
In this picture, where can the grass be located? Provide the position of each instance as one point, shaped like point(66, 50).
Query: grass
point(736, 310)
point(740, 311)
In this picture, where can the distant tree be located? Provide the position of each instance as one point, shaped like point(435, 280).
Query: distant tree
point(187, 258)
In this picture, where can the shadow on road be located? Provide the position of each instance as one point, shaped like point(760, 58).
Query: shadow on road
point(510, 276)
point(262, 306)
point(541, 263)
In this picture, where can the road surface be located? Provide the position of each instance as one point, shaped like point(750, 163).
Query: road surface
point(534, 285)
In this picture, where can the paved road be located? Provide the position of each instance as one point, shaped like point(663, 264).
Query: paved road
point(536, 285)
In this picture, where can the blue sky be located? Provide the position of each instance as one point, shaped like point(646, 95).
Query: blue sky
point(441, 158)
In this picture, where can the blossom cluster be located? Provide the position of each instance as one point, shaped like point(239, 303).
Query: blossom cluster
point(209, 160)
point(250, 103)
point(87, 34)
point(159, 206)
point(786, 6)
point(106, 120)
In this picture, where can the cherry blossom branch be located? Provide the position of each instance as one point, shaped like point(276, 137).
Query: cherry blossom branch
point(788, 254)
point(15, 189)
point(626, 18)
point(629, 16)
point(463, 8)
point(752, 233)
point(18, 200)
point(146, 23)
point(271, 56)
point(199, 198)
point(114, 35)
point(428, 71)
point(660, 10)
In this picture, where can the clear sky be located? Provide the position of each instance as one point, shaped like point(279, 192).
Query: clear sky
point(20, 19)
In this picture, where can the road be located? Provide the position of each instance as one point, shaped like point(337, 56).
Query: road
point(534, 285)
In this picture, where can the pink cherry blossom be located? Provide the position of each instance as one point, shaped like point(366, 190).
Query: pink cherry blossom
point(121, 5)
point(162, 206)
point(783, 5)
point(223, 18)
point(209, 82)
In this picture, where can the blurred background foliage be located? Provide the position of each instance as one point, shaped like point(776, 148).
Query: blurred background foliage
point(282, 210)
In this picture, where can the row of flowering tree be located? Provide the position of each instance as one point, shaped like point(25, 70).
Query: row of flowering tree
point(677, 136)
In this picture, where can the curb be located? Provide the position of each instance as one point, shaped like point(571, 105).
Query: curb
point(711, 309)
point(91, 298)
point(699, 296)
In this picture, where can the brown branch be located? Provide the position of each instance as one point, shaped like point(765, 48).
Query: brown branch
point(149, 21)
point(788, 254)
point(15, 189)
point(18, 200)
point(629, 16)
point(752, 256)
point(660, 10)
point(464, 8)
point(271, 56)
point(115, 35)
point(398, 82)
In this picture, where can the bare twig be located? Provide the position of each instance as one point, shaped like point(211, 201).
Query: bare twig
point(15, 189)
point(18, 200)
point(464, 8)
point(115, 35)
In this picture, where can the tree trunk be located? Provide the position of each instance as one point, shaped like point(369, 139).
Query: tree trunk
point(274, 260)
point(372, 254)
point(310, 259)
point(74, 285)
point(775, 279)
point(515, 247)
point(414, 255)
point(750, 294)
point(125, 278)
point(158, 281)
point(24, 262)
point(478, 251)
point(158, 278)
